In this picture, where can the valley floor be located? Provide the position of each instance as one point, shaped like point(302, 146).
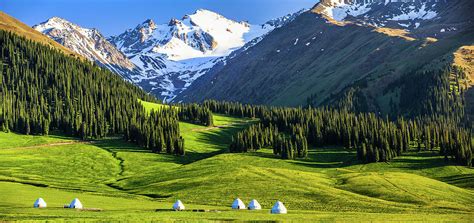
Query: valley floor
point(129, 183)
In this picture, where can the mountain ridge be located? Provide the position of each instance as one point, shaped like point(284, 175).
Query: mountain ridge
point(165, 59)
point(11, 24)
point(319, 60)
point(89, 43)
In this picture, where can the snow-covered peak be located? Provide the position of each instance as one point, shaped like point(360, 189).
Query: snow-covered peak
point(56, 20)
point(58, 23)
point(148, 24)
point(164, 59)
point(89, 43)
point(201, 34)
point(205, 13)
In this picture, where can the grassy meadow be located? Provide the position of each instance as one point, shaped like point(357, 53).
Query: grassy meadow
point(129, 183)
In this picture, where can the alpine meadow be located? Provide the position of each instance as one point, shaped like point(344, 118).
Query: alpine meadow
point(333, 111)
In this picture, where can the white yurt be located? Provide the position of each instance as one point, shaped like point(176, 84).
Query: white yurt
point(238, 204)
point(254, 205)
point(278, 208)
point(40, 203)
point(178, 206)
point(76, 203)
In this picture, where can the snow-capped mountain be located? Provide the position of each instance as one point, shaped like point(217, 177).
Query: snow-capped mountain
point(89, 43)
point(173, 55)
point(201, 34)
point(163, 59)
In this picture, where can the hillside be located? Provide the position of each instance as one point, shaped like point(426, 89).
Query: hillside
point(114, 176)
point(43, 90)
point(11, 24)
point(323, 61)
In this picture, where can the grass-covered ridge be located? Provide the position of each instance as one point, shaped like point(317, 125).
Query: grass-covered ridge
point(125, 180)
point(11, 24)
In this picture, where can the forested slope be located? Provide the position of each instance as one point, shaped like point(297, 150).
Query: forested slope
point(43, 89)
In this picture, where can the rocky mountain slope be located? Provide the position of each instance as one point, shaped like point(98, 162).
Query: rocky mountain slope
point(174, 54)
point(343, 51)
point(89, 43)
point(163, 59)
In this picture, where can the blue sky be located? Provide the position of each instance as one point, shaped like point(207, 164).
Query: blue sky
point(115, 16)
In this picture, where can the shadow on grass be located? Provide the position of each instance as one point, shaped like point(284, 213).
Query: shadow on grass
point(119, 145)
point(461, 180)
point(329, 158)
point(24, 182)
point(421, 160)
point(217, 138)
point(320, 158)
point(220, 139)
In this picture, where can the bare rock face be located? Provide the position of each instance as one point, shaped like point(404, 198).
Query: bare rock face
point(174, 22)
point(89, 43)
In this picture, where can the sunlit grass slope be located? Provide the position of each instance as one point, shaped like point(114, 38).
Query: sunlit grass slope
point(18, 206)
point(12, 140)
point(128, 182)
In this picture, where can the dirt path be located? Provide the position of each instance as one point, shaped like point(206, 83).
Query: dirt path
point(53, 144)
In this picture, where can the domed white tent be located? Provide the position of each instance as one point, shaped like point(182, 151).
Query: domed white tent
point(238, 204)
point(278, 208)
point(254, 205)
point(76, 203)
point(178, 206)
point(40, 203)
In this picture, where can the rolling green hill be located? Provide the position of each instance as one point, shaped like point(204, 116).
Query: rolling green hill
point(118, 180)
point(126, 181)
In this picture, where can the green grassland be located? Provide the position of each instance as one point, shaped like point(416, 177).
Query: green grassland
point(152, 106)
point(130, 183)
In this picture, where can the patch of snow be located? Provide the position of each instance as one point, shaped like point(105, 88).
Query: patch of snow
point(404, 25)
point(423, 13)
point(296, 41)
point(340, 11)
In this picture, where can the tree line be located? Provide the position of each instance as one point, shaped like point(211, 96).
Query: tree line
point(439, 92)
point(41, 89)
point(158, 131)
point(258, 136)
point(196, 114)
point(374, 138)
